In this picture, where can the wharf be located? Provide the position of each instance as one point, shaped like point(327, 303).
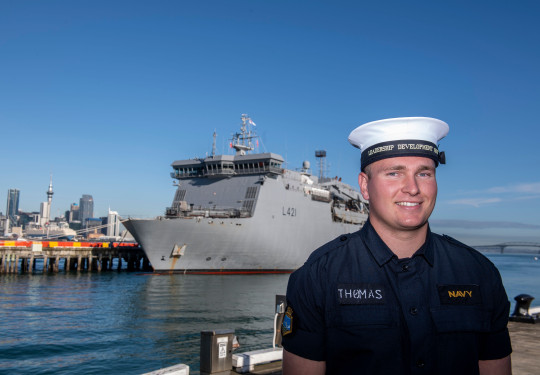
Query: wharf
point(526, 346)
point(22, 256)
point(525, 360)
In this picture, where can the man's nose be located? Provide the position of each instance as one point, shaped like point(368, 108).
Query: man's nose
point(410, 185)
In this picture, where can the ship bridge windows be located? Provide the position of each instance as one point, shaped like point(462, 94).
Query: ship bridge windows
point(213, 167)
point(182, 172)
point(257, 166)
point(221, 167)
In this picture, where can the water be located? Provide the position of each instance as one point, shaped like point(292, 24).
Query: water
point(520, 274)
point(128, 323)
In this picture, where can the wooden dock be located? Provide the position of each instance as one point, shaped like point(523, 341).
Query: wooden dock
point(22, 256)
point(526, 345)
point(525, 359)
point(525, 356)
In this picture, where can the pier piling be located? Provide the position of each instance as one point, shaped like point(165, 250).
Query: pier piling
point(45, 260)
point(22, 256)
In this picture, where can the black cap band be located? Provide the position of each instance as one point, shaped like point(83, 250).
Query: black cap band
point(407, 147)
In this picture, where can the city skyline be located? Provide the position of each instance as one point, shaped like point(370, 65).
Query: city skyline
point(105, 96)
point(12, 205)
point(82, 220)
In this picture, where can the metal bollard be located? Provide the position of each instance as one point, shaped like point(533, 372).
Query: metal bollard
point(281, 305)
point(216, 352)
point(521, 311)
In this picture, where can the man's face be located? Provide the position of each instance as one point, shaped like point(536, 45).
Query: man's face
point(401, 193)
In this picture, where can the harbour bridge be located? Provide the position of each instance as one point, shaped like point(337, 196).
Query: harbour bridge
point(517, 247)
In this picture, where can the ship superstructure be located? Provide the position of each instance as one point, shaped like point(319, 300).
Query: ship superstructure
point(246, 213)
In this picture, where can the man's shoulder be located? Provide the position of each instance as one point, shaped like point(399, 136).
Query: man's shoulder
point(458, 248)
point(323, 262)
point(334, 248)
point(451, 241)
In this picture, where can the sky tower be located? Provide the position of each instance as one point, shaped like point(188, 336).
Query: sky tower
point(49, 201)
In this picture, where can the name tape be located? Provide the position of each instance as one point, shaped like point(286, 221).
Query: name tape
point(360, 294)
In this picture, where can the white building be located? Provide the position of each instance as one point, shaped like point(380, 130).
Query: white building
point(113, 224)
point(44, 212)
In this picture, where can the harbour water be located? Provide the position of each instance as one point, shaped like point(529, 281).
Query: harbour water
point(131, 323)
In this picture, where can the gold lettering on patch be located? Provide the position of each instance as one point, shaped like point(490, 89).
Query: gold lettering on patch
point(460, 293)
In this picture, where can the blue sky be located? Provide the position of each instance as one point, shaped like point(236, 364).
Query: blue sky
point(106, 94)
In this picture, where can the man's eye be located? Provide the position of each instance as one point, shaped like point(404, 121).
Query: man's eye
point(424, 174)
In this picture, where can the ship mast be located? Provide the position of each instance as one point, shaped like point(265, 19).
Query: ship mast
point(214, 145)
point(241, 142)
point(321, 157)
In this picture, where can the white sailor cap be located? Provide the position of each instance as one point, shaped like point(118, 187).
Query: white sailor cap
point(404, 136)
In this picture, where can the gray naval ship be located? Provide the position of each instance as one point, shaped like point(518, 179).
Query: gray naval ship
point(245, 213)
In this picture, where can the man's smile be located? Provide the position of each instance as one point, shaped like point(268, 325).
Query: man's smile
point(408, 204)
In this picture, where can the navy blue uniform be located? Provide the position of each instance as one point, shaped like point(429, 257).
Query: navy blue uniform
point(358, 307)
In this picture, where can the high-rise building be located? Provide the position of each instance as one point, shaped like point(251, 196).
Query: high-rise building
point(86, 208)
point(73, 213)
point(113, 224)
point(92, 227)
point(45, 207)
point(44, 210)
point(12, 208)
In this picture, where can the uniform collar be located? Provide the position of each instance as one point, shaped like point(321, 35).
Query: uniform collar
point(426, 250)
point(383, 254)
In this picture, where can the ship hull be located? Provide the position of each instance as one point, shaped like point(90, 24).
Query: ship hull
point(287, 225)
point(214, 245)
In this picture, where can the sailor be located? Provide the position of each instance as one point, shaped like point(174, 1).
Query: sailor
point(395, 298)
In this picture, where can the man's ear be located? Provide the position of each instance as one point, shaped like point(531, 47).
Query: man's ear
point(363, 182)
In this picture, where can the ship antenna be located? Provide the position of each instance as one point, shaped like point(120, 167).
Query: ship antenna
point(321, 157)
point(214, 145)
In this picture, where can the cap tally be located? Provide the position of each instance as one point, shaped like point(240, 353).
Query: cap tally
point(404, 136)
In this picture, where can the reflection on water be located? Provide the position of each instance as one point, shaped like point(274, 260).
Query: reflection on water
point(174, 309)
point(134, 323)
point(127, 323)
